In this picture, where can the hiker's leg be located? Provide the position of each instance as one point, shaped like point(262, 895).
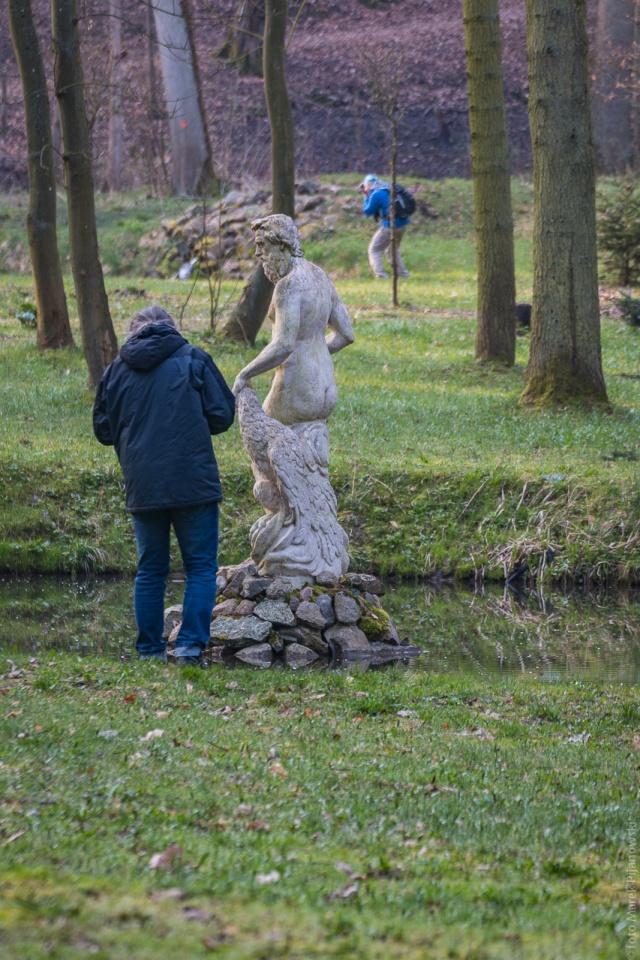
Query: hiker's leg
point(402, 270)
point(379, 243)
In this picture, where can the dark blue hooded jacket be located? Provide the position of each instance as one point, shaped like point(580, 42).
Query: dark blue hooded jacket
point(158, 403)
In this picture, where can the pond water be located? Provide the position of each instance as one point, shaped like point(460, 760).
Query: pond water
point(573, 636)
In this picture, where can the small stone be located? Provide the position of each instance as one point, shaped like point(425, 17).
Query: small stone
point(308, 187)
point(296, 583)
point(310, 615)
point(244, 608)
point(325, 603)
point(371, 598)
point(225, 608)
point(252, 587)
point(307, 638)
point(260, 655)
point(327, 579)
point(278, 590)
point(365, 583)
point(346, 608)
point(275, 611)
point(294, 603)
point(295, 655)
point(306, 593)
point(221, 583)
point(390, 635)
point(172, 616)
point(348, 640)
point(239, 632)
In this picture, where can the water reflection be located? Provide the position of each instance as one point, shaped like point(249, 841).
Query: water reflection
point(558, 635)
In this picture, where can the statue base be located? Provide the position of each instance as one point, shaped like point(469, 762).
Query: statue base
point(299, 620)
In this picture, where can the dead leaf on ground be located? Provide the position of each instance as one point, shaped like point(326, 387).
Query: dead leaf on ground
point(167, 859)
point(349, 891)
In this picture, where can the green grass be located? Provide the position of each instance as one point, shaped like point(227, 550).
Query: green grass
point(436, 465)
point(404, 814)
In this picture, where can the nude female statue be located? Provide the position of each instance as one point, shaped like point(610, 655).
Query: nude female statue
point(305, 302)
point(287, 437)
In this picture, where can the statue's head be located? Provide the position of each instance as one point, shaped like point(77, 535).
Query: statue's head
point(277, 243)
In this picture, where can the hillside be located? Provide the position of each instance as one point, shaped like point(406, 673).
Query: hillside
point(337, 129)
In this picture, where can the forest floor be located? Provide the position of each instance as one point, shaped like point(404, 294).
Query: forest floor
point(437, 467)
point(150, 812)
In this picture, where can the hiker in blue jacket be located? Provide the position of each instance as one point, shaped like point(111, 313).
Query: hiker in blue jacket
point(376, 202)
point(159, 403)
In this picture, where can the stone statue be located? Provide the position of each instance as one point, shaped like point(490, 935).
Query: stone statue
point(288, 440)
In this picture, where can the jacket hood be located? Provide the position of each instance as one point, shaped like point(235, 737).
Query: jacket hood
point(151, 346)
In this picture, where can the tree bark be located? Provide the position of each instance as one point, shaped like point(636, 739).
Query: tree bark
point(54, 329)
point(192, 164)
point(98, 338)
point(496, 330)
point(251, 310)
point(114, 152)
point(613, 85)
point(565, 361)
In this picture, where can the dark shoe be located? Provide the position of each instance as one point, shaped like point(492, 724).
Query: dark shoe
point(192, 662)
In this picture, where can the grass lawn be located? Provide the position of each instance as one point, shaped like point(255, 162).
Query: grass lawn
point(150, 813)
point(389, 814)
point(436, 466)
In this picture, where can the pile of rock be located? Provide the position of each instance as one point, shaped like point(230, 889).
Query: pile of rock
point(218, 237)
point(263, 619)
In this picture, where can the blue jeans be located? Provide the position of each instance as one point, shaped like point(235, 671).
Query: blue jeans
point(196, 529)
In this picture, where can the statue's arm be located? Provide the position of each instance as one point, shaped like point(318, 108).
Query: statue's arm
point(340, 325)
point(285, 333)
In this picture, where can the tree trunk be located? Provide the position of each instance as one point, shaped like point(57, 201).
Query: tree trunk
point(496, 330)
point(613, 85)
point(392, 212)
point(565, 362)
point(191, 153)
point(98, 338)
point(51, 303)
point(245, 48)
point(114, 153)
point(251, 310)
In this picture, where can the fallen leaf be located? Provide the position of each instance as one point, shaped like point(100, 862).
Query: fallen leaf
point(189, 688)
point(393, 524)
point(14, 836)
point(166, 859)
point(258, 825)
point(349, 891)
point(14, 713)
point(129, 699)
point(277, 770)
point(151, 735)
point(263, 879)
point(108, 734)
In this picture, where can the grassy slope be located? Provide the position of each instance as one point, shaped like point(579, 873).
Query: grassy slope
point(405, 815)
point(435, 464)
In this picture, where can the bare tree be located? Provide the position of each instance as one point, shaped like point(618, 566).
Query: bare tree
point(615, 69)
point(251, 309)
point(98, 338)
point(496, 331)
point(246, 37)
point(192, 163)
point(565, 362)
point(386, 72)
point(52, 315)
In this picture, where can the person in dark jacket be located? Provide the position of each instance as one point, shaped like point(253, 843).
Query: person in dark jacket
point(376, 202)
point(158, 404)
